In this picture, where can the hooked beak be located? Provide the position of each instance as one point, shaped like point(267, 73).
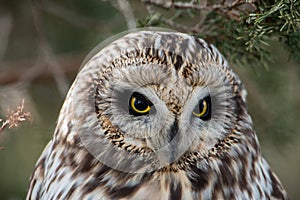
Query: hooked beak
point(171, 151)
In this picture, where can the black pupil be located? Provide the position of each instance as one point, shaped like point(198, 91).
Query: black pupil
point(201, 106)
point(140, 104)
point(207, 114)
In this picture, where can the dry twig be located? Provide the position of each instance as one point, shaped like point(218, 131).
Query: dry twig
point(14, 118)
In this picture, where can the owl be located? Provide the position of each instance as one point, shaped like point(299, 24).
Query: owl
point(155, 115)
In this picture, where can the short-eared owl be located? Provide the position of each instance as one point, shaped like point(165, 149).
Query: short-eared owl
point(155, 115)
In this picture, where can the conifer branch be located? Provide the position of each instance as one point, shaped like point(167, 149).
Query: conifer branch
point(241, 29)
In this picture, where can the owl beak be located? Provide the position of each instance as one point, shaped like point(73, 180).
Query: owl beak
point(173, 131)
point(170, 152)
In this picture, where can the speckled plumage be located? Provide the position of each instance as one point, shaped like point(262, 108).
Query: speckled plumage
point(100, 151)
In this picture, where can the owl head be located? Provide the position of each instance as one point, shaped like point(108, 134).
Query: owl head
point(153, 99)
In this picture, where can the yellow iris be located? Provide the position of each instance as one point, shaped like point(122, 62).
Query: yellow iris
point(144, 108)
point(203, 107)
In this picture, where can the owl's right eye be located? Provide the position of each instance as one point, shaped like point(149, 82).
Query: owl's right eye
point(203, 109)
point(139, 105)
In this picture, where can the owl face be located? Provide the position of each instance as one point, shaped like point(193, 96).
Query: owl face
point(156, 99)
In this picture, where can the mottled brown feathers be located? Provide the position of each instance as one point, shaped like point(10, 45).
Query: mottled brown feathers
point(101, 150)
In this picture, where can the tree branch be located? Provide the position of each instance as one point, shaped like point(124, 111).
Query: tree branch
point(46, 52)
point(75, 18)
point(223, 6)
point(126, 10)
point(21, 70)
point(5, 27)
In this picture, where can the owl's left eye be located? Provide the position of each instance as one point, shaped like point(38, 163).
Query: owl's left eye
point(139, 104)
point(203, 109)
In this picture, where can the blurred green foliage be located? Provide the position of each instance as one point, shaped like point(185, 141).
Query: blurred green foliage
point(77, 26)
point(242, 30)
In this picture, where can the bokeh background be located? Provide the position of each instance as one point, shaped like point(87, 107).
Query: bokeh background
point(42, 48)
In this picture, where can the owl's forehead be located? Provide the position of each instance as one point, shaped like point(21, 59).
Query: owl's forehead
point(178, 55)
point(174, 60)
point(175, 49)
point(174, 95)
